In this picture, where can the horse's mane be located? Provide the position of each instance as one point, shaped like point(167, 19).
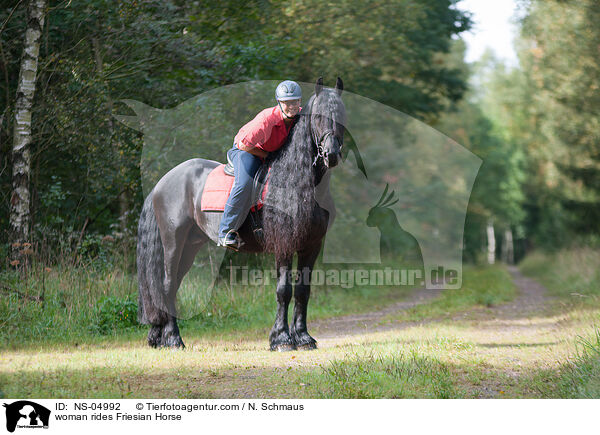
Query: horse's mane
point(290, 201)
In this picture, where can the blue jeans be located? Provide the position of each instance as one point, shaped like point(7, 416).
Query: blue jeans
point(238, 205)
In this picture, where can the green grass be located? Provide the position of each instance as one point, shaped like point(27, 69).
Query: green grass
point(78, 304)
point(573, 277)
point(396, 375)
point(569, 274)
point(92, 305)
point(226, 356)
point(580, 377)
point(81, 342)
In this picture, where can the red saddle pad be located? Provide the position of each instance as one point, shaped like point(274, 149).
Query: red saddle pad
point(217, 188)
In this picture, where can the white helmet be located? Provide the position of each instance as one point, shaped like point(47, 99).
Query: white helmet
point(288, 90)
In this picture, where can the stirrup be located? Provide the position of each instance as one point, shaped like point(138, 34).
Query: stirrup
point(234, 244)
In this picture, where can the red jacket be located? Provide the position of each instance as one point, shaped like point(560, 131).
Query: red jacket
point(266, 131)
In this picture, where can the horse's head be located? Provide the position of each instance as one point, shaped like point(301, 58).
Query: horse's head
point(328, 118)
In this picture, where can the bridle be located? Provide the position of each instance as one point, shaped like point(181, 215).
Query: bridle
point(319, 143)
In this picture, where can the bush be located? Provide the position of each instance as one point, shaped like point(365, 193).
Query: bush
point(115, 314)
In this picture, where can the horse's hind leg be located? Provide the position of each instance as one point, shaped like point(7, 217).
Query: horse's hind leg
point(298, 329)
point(173, 241)
point(170, 335)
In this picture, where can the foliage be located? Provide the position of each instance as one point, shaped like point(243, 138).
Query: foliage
point(86, 164)
point(571, 274)
point(581, 377)
point(115, 314)
point(85, 176)
point(89, 302)
point(549, 109)
point(393, 52)
point(497, 194)
point(486, 287)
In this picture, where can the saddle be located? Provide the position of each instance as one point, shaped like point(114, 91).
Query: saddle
point(220, 182)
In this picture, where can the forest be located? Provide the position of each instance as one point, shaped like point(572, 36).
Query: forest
point(71, 188)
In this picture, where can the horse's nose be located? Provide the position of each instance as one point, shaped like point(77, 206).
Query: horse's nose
point(332, 159)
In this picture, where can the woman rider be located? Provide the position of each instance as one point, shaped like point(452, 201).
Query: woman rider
point(264, 134)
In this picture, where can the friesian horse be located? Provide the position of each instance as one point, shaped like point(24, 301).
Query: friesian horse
point(172, 227)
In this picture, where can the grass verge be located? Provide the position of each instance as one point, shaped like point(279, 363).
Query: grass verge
point(573, 277)
point(63, 305)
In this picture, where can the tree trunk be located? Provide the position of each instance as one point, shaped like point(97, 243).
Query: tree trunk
point(21, 153)
point(508, 248)
point(491, 245)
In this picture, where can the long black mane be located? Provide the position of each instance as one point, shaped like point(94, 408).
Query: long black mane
point(289, 211)
point(290, 201)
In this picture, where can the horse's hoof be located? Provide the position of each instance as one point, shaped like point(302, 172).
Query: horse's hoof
point(284, 347)
point(308, 346)
point(154, 336)
point(178, 345)
point(304, 341)
point(173, 343)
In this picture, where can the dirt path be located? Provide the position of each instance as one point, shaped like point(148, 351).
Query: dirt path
point(503, 344)
point(344, 326)
point(532, 297)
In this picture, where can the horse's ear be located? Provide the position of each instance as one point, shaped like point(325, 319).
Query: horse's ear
point(318, 86)
point(339, 86)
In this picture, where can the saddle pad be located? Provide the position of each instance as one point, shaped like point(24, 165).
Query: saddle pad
point(217, 188)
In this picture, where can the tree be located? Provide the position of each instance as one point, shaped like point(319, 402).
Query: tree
point(84, 166)
point(550, 108)
point(21, 153)
point(481, 122)
point(390, 51)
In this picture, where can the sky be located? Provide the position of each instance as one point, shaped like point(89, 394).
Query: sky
point(492, 27)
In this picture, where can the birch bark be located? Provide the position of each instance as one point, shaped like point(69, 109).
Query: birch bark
point(20, 218)
point(491, 243)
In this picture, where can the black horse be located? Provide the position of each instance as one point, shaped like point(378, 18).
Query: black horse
point(172, 228)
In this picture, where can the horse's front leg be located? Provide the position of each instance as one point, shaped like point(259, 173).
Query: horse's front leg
point(280, 334)
point(298, 330)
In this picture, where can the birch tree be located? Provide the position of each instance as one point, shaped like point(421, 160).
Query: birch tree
point(21, 153)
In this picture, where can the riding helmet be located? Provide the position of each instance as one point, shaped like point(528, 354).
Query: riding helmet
point(288, 90)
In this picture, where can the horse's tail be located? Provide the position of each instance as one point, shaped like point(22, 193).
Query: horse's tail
point(150, 266)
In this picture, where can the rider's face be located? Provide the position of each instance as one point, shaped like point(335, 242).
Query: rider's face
point(290, 107)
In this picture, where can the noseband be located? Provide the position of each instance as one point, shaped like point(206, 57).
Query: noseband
point(319, 143)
